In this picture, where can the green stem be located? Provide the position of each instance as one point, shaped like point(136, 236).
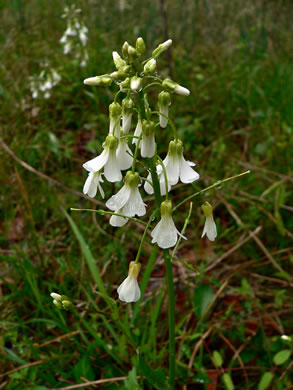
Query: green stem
point(102, 212)
point(217, 184)
point(143, 236)
point(171, 318)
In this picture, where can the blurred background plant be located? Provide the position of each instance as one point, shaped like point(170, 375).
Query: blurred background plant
point(234, 321)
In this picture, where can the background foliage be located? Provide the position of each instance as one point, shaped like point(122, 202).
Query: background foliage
point(236, 58)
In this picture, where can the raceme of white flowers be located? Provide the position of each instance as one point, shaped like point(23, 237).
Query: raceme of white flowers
point(130, 144)
point(42, 84)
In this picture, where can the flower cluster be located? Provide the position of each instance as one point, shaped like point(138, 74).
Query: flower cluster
point(42, 84)
point(124, 144)
point(74, 40)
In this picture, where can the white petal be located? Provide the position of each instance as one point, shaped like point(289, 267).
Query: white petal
point(137, 132)
point(115, 127)
point(112, 170)
point(148, 146)
point(164, 121)
point(181, 90)
point(165, 233)
point(120, 199)
point(210, 228)
point(126, 122)
point(172, 169)
point(187, 174)
point(124, 156)
point(135, 205)
point(117, 221)
point(129, 290)
point(149, 189)
point(92, 184)
point(97, 163)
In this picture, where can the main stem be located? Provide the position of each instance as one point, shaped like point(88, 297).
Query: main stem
point(168, 266)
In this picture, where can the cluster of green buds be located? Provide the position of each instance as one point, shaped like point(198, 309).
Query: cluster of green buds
point(61, 301)
point(125, 144)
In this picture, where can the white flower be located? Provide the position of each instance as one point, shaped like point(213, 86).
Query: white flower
point(127, 201)
point(127, 111)
point(92, 184)
point(83, 35)
point(124, 154)
point(129, 290)
point(56, 296)
point(137, 131)
point(165, 233)
point(164, 99)
point(135, 83)
point(149, 188)
point(148, 145)
point(210, 228)
point(108, 160)
point(70, 32)
point(115, 115)
point(177, 167)
point(67, 48)
point(63, 39)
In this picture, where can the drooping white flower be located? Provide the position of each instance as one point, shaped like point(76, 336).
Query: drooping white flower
point(108, 160)
point(177, 167)
point(115, 115)
point(149, 188)
point(127, 201)
point(210, 228)
point(127, 111)
point(129, 290)
point(165, 233)
point(137, 131)
point(171, 86)
point(164, 99)
point(92, 184)
point(148, 144)
point(124, 153)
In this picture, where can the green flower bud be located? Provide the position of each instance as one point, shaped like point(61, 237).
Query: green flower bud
point(125, 49)
point(150, 66)
point(140, 46)
point(166, 208)
point(127, 68)
point(148, 127)
point(57, 304)
point(132, 53)
point(125, 83)
point(164, 99)
point(171, 86)
point(207, 209)
point(161, 48)
point(127, 105)
point(66, 304)
point(111, 142)
point(104, 80)
point(118, 61)
point(115, 110)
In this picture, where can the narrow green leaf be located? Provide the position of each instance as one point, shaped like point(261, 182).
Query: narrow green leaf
point(111, 303)
point(282, 356)
point(217, 358)
point(87, 254)
point(156, 378)
point(228, 381)
point(131, 382)
point(265, 381)
point(203, 295)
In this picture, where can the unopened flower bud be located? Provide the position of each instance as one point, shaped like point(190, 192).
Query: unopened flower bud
point(55, 296)
point(118, 61)
point(171, 86)
point(164, 99)
point(161, 48)
point(125, 83)
point(140, 46)
point(115, 110)
point(132, 52)
point(66, 304)
point(125, 49)
point(57, 304)
point(150, 66)
point(135, 83)
point(104, 80)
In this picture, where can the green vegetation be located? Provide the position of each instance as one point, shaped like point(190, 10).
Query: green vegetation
point(234, 323)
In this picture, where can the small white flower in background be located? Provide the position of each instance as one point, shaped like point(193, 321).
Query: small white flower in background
point(177, 167)
point(149, 188)
point(127, 201)
point(137, 131)
point(42, 84)
point(148, 144)
point(165, 233)
point(164, 99)
point(115, 115)
point(124, 153)
point(171, 86)
point(129, 290)
point(83, 35)
point(108, 160)
point(127, 111)
point(92, 184)
point(210, 228)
